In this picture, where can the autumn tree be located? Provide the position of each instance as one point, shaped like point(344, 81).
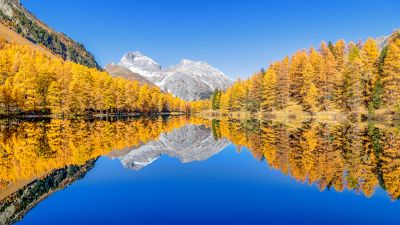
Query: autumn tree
point(391, 75)
point(309, 91)
point(54, 96)
point(369, 55)
point(328, 77)
point(269, 95)
point(350, 93)
point(296, 74)
point(255, 93)
point(282, 83)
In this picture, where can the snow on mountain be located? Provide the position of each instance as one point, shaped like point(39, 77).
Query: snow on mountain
point(384, 40)
point(141, 64)
point(189, 143)
point(189, 80)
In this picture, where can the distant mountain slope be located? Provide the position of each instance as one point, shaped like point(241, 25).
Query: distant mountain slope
point(12, 37)
point(189, 80)
point(120, 71)
point(385, 40)
point(16, 17)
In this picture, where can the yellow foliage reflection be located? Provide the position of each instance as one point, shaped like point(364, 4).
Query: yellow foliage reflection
point(353, 156)
point(29, 150)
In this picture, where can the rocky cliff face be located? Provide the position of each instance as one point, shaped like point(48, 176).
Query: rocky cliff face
point(189, 143)
point(120, 71)
point(189, 80)
point(16, 17)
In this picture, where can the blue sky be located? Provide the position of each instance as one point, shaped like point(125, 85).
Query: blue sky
point(238, 37)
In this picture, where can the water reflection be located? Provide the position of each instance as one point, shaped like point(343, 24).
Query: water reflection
point(346, 155)
point(40, 158)
point(188, 143)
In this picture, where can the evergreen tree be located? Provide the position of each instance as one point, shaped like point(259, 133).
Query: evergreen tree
point(215, 99)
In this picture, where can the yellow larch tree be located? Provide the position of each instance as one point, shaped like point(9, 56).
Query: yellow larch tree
point(269, 95)
point(369, 55)
point(391, 76)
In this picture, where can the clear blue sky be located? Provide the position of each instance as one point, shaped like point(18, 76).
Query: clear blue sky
point(238, 37)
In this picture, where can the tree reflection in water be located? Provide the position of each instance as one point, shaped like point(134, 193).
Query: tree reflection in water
point(38, 158)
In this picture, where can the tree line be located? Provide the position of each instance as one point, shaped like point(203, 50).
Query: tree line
point(32, 82)
point(352, 77)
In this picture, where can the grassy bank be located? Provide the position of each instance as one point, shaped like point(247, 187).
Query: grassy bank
point(294, 115)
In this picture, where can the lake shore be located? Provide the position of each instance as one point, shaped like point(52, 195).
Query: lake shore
point(87, 116)
point(295, 115)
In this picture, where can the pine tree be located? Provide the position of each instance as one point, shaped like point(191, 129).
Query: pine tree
point(215, 99)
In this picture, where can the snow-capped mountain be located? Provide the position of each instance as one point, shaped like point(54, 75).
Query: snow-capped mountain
point(189, 143)
point(189, 80)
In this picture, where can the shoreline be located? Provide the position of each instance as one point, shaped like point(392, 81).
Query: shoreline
point(89, 116)
point(289, 116)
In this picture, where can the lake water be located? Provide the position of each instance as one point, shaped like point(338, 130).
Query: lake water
point(180, 170)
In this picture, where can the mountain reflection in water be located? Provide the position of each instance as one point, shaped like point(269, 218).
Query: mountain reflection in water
point(40, 158)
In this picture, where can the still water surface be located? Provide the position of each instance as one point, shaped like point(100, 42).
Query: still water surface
point(181, 170)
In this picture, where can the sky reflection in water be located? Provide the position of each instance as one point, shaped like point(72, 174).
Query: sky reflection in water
point(229, 187)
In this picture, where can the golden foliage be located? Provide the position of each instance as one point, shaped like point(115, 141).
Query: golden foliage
point(30, 150)
point(336, 77)
point(33, 82)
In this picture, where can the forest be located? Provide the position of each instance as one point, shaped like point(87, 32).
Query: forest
point(337, 77)
point(32, 82)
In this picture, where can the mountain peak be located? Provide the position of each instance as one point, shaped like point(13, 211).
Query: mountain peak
point(193, 63)
point(134, 54)
point(189, 80)
point(139, 63)
point(137, 56)
point(187, 61)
